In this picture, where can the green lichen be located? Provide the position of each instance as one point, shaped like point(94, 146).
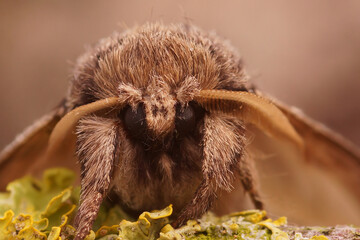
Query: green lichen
point(32, 209)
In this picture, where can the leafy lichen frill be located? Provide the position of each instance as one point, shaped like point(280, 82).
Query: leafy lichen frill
point(32, 209)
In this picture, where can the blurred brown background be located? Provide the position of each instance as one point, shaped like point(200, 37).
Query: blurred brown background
point(306, 53)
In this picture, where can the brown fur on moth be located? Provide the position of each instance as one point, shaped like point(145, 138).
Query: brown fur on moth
point(157, 71)
point(174, 127)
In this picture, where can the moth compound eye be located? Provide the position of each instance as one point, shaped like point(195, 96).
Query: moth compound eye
point(134, 120)
point(185, 119)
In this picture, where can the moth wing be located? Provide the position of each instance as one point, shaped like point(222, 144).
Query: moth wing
point(311, 176)
point(320, 187)
point(326, 149)
point(26, 154)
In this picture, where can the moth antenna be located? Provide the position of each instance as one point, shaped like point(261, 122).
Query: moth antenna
point(97, 149)
point(64, 129)
point(253, 109)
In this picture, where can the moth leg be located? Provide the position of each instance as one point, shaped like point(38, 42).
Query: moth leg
point(247, 173)
point(97, 149)
point(223, 147)
point(204, 198)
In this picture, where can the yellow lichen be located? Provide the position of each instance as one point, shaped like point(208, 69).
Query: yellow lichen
point(33, 209)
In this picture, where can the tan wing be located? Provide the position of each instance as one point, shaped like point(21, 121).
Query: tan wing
point(323, 187)
point(320, 187)
point(327, 149)
point(25, 155)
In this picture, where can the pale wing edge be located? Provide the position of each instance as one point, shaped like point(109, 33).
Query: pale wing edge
point(47, 121)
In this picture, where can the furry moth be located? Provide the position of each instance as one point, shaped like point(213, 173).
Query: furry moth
point(161, 114)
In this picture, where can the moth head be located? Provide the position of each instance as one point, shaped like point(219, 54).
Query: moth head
point(161, 112)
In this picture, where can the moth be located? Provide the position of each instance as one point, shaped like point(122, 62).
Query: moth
point(165, 114)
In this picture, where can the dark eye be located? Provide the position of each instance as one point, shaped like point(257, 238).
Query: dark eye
point(134, 120)
point(185, 119)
